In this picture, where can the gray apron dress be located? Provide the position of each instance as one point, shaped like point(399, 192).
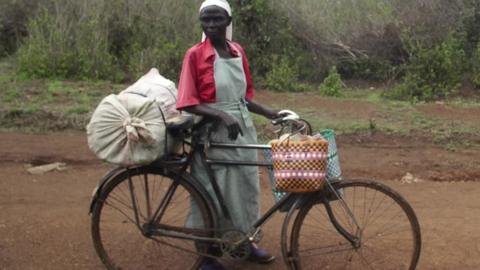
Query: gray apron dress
point(239, 185)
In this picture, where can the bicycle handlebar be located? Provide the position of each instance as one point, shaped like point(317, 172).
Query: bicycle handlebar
point(292, 120)
point(288, 116)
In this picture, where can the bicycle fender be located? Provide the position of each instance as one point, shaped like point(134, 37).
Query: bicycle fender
point(286, 254)
point(209, 200)
point(103, 181)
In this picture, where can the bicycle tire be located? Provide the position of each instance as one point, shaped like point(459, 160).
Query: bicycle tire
point(117, 237)
point(389, 232)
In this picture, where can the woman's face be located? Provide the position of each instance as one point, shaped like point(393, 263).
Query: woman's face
point(214, 21)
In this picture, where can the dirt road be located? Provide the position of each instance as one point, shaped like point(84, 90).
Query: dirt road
point(44, 221)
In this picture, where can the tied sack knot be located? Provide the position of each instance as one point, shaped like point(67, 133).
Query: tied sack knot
point(137, 130)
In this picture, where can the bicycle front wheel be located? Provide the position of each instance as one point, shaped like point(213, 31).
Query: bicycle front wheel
point(127, 206)
point(383, 229)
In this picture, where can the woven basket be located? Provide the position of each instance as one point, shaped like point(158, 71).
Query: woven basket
point(299, 166)
point(334, 172)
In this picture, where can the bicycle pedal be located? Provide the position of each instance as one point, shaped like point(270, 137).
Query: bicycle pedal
point(256, 237)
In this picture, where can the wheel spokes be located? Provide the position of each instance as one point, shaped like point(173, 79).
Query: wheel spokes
point(387, 239)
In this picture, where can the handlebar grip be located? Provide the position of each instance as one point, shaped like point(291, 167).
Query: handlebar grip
point(277, 121)
point(288, 115)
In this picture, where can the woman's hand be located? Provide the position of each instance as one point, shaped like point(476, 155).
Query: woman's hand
point(232, 125)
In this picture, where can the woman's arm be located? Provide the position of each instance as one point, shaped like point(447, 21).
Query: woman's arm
point(230, 122)
point(262, 110)
point(251, 105)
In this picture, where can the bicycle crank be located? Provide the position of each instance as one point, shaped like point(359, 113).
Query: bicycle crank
point(235, 245)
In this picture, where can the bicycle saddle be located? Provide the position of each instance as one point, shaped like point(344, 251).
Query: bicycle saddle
point(180, 123)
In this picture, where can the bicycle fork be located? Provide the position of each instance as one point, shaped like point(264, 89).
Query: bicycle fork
point(355, 240)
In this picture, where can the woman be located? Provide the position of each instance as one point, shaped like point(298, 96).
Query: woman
point(216, 83)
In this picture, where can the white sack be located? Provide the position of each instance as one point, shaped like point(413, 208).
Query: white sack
point(127, 130)
point(154, 85)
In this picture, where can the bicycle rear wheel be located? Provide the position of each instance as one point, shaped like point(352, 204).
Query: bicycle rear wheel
point(125, 208)
point(384, 225)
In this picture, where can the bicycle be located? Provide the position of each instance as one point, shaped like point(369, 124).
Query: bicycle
point(140, 218)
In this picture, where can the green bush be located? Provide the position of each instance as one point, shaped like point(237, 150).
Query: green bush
point(283, 76)
point(60, 45)
point(14, 15)
point(471, 24)
point(266, 32)
point(432, 73)
point(146, 50)
point(107, 39)
point(367, 68)
point(476, 67)
point(166, 57)
point(4, 43)
point(332, 86)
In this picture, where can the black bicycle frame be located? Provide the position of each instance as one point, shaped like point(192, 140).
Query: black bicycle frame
point(289, 198)
point(201, 148)
point(286, 199)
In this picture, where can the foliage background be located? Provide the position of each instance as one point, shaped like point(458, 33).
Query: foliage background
point(429, 48)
